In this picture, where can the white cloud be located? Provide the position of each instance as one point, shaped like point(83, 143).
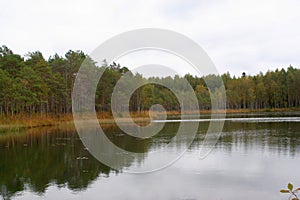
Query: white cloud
point(249, 36)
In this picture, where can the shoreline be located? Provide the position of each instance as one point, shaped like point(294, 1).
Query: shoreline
point(34, 121)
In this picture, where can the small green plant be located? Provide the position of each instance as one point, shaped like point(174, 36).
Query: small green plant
point(292, 193)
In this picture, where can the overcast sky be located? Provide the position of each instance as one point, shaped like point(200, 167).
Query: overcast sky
point(249, 36)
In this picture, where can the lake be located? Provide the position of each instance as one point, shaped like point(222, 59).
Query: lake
point(255, 157)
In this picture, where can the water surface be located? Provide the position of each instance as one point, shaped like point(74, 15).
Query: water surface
point(255, 157)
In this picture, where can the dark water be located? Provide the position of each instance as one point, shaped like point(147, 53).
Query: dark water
point(253, 159)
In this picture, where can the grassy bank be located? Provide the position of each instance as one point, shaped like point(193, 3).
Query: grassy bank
point(30, 121)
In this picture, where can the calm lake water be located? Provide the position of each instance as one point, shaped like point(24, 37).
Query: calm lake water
point(255, 157)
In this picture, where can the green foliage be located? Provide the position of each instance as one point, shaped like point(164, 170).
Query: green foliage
point(33, 84)
point(293, 193)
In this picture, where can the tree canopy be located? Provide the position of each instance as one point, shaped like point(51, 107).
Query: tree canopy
point(33, 84)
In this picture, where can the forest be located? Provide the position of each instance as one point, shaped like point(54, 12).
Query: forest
point(31, 84)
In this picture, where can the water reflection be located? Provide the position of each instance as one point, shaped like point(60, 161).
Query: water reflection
point(40, 157)
point(34, 159)
point(280, 138)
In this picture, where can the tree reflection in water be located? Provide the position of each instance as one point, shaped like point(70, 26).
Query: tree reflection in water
point(37, 158)
point(34, 159)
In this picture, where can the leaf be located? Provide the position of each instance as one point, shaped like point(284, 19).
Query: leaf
point(295, 198)
point(284, 191)
point(298, 189)
point(290, 186)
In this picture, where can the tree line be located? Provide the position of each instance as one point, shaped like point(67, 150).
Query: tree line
point(32, 84)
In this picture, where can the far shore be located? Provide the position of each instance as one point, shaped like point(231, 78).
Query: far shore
point(25, 121)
